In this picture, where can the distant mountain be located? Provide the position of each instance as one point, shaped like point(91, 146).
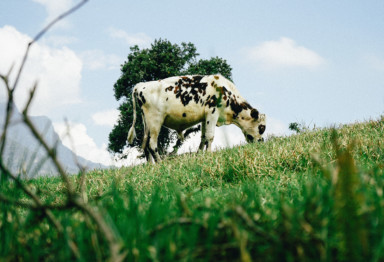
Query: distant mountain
point(23, 154)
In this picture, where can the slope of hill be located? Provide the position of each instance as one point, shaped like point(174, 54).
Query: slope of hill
point(23, 153)
point(315, 196)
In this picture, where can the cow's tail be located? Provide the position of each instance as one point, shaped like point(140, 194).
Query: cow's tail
point(131, 132)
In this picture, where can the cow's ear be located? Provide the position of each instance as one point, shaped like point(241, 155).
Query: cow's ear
point(254, 114)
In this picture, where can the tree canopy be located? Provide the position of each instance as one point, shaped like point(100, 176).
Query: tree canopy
point(161, 60)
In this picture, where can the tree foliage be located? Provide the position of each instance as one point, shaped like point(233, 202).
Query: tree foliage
point(212, 66)
point(163, 59)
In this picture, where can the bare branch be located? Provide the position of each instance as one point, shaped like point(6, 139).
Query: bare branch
point(8, 112)
point(51, 153)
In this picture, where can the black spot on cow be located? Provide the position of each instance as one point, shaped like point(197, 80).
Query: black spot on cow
point(207, 122)
point(261, 129)
point(250, 138)
point(184, 115)
point(190, 88)
point(196, 99)
point(186, 78)
point(224, 92)
point(211, 101)
point(197, 79)
point(140, 98)
point(166, 99)
point(260, 140)
point(214, 109)
point(238, 107)
point(255, 114)
point(169, 88)
point(245, 105)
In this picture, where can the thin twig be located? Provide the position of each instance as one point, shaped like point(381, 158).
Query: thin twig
point(51, 152)
point(8, 112)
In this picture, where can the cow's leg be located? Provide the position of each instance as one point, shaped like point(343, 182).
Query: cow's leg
point(203, 136)
point(210, 122)
point(147, 153)
point(180, 135)
point(154, 130)
point(154, 134)
point(145, 144)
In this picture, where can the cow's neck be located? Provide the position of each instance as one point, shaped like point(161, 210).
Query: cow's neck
point(227, 119)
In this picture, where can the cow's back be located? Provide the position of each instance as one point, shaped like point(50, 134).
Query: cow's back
point(183, 101)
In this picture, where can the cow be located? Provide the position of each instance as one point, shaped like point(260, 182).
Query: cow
point(181, 102)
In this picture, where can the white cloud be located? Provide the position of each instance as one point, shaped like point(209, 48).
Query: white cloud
point(97, 60)
point(284, 53)
point(56, 8)
point(81, 143)
point(106, 118)
point(140, 39)
point(58, 71)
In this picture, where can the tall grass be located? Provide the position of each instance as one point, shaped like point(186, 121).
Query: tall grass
point(315, 196)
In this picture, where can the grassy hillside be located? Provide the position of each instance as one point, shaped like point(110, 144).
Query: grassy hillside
point(313, 196)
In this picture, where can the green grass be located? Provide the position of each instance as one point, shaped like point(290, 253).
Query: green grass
point(313, 196)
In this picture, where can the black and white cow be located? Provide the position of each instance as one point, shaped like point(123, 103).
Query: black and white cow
point(183, 101)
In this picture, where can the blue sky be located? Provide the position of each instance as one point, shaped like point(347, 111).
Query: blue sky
point(317, 62)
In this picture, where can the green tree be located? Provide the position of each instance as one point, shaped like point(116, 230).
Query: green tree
point(212, 66)
point(163, 59)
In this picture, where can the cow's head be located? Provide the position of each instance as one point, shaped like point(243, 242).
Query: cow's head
point(252, 124)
